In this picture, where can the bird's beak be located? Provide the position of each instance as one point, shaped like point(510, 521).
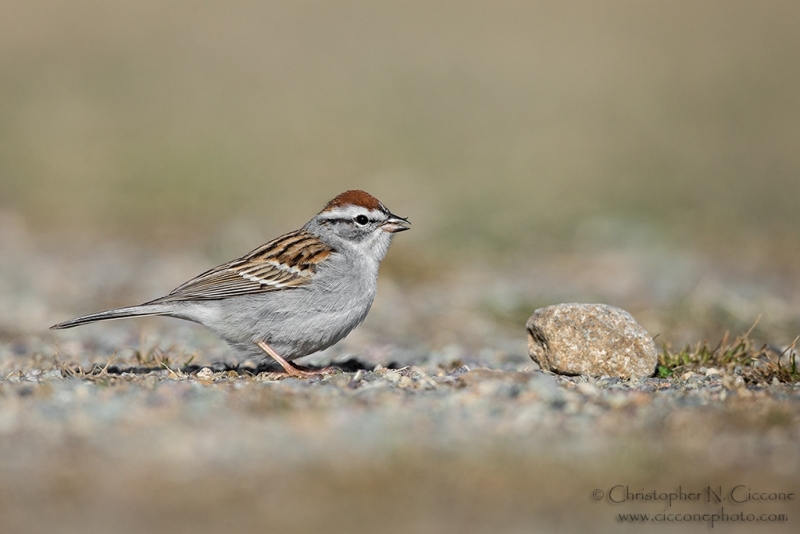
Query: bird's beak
point(395, 224)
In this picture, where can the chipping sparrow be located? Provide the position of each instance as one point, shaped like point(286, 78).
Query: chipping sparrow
point(298, 294)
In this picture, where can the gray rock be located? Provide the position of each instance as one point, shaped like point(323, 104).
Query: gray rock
point(590, 339)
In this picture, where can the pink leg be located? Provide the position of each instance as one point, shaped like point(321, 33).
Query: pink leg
point(290, 369)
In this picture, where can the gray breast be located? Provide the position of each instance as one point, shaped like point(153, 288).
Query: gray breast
point(298, 321)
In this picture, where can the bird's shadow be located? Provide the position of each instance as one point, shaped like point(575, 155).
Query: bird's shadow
point(350, 365)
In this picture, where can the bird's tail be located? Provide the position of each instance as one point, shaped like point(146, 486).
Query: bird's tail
point(119, 313)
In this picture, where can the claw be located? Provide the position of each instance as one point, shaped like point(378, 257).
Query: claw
point(290, 369)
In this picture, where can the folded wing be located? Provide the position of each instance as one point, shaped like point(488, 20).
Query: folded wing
point(288, 261)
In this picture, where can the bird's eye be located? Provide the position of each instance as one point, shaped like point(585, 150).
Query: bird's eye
point(362, 220)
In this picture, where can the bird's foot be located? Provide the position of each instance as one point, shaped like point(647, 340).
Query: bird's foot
point(291, 369)
point(296, 372)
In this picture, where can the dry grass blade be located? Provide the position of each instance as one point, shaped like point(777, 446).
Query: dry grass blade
point(66, 370)
point(756, 364)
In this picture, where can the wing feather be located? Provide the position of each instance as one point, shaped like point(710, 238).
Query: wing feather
point(288, 261)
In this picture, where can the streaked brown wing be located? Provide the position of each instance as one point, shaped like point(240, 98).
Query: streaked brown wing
point(285, 262)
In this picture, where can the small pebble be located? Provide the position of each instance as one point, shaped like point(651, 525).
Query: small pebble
point(392, 377)
point(587, 389)
point(205, 374)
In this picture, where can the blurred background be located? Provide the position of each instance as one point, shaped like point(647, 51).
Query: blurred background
point(493, 124)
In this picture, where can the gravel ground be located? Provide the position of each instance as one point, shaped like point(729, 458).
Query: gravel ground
point(436, 420)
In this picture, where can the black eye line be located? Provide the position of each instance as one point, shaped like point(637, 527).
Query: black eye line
point(348, 220)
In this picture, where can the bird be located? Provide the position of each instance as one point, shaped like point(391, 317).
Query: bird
point(298, 294)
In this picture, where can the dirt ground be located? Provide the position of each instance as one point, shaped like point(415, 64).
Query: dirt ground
point(436, 422)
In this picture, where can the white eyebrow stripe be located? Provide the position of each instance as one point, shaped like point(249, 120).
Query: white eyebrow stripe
point(348, 212)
